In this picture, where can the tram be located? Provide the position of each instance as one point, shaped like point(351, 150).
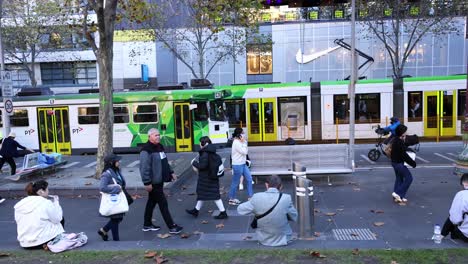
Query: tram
point(68, 124)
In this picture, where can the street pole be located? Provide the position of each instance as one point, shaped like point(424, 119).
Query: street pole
point(352, 84)
point(5, 116)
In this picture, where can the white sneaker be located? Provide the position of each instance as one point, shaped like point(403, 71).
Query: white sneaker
point(2, 200)
point(396, 197)
point(234, 202)
point(241, 187)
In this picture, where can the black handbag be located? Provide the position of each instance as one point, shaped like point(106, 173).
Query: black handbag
point(254, 221)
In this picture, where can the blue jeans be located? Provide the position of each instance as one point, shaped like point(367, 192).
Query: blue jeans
point(237, 172)
point(403, 179)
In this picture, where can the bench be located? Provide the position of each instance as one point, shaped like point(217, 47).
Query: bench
point(318, 159)
point(31, 166)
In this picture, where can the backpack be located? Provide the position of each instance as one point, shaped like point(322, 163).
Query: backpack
point(219, 164)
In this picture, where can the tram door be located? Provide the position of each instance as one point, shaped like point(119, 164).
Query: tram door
point(54, 130)
point(439, 113)
point(183, 127)
point(262, 119)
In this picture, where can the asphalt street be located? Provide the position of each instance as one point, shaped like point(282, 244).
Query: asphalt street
point(355, 211)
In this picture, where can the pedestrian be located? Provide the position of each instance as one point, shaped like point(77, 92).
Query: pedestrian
point(399, 156)
point(394, 123)
point(273, 229)
point(155, 170)
point(39, 216)
point(9, 151)
point(113, 182)
point(208, 179)
point(457, 222)
point(239, 156)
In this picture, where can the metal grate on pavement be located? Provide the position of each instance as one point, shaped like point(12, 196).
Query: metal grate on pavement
point(353, 234)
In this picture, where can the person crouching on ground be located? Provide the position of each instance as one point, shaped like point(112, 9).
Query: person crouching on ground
point(457, 222)
point(273, 229)
point(39, 217)
point(9, 151)
point(208, 180)
point(403, 177)
point(113, 182)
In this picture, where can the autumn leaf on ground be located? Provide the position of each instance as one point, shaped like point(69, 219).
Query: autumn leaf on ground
point(402, 204)
point(204, 222)
point(355, 251)
point(357, 189)
point(247, 238)
point(330, 214)
point(219, 226)
point(308, 238)
point(210, 211)
point(354, 235)
point(160, 259)
point(379, 223)
point(151, 254)
point(5, 254)
point(316, 211)
point(393, 262)
point(340, 209)
point(163, 236)
point(197, 233)
point(317, 234)
point(316, 254)
point(185, 235)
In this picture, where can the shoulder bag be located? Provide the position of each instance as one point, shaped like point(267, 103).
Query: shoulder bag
point(112, 204)
point(254, 221)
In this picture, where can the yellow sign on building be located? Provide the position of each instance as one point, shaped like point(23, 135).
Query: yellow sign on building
point(133, 35)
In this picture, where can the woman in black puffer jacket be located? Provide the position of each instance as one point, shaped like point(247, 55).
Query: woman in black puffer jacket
point(208, 179)
point(403, 177)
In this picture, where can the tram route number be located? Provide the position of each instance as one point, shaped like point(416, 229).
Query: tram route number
point(9, 106)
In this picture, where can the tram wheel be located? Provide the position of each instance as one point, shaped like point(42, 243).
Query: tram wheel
point(373, 154)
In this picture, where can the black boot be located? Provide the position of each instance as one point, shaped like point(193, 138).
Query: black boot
point(222, 215)
point(103, 234)
point(193, 212)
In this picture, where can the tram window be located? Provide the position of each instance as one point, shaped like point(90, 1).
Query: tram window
point(235, 111)
point(121, 114)
point(414, 106)
point(292, 111)
point(201, 112)
point(145, 113)
point(217, 111)
point(461, 104)
point(88, 115)
point(19, 118)
point(367, 108)
point(340, 109)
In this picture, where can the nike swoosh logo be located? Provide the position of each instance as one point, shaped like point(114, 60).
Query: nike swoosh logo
point(310, 57)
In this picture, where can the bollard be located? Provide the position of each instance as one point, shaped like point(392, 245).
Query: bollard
point(304, 201)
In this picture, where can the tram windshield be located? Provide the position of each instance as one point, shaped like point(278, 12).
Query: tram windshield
point(217, 112)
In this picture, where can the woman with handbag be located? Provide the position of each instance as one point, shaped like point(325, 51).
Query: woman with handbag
point(113, 182)
point(208, 179)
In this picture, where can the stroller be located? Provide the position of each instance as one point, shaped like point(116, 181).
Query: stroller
point(381, 147)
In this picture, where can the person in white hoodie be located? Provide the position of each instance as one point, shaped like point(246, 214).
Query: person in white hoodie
point(457, 222)
point(39, 217)
point(239, 156)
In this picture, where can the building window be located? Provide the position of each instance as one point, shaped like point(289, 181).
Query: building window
point(19, 118)
point(461, 104)
point(19, 77)
point(69, 73)
point(414, 106)
point(367, 108)
point(259, 59)
point(235, 110)
point(147, 113)
point(88, 115)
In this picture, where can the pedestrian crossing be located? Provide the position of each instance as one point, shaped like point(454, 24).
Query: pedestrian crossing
point(426, 158)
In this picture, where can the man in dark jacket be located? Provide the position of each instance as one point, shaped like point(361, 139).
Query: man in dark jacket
point(154, 171)
point(399, 156)
point(9, 151)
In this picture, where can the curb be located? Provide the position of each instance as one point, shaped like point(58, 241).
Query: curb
point(93, 191)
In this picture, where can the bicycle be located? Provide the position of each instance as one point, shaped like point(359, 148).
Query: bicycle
point(375, 153)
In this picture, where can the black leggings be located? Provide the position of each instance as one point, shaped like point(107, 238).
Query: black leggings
point(113, 225)
point(455, 233)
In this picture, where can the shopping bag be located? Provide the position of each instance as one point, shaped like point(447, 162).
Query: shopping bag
point(112, 204)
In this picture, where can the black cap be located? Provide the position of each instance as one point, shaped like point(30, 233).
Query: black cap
point(112, 158)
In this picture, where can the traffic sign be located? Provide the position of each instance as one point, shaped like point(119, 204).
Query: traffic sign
point(7, 84)
point(8, 106)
